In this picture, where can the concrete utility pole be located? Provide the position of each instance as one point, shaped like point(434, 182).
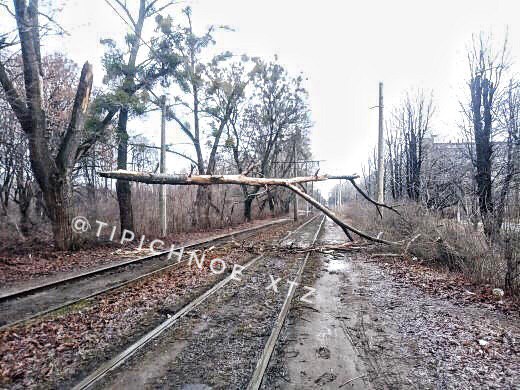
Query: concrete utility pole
point(340, 196)
point(295, 199)
point(306, 171)
point(380, 151)
point(162, 167)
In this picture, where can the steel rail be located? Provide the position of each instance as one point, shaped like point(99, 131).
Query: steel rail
point(126, 282)
point(265, 357)
point(102, 371)
point(45, 286)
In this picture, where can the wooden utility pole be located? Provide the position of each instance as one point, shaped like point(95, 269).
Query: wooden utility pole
point(380, 141)
point(162, 167)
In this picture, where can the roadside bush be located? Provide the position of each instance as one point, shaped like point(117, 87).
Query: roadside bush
point(457, 246)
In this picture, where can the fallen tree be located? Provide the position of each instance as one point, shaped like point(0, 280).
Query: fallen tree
point(294, 184)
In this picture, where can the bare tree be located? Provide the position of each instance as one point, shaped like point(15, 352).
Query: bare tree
point(394, 161)
point(209, 92)
point(52, 171)
point(276, 111)
point(130, 72)
point(487, 65)
point(413, 119)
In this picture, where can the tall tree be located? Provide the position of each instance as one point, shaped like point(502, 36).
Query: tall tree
point(413, 121)
point(487, 66)
point(130, 72)
point(52, 171)
point(277, 109)
point(208, 93)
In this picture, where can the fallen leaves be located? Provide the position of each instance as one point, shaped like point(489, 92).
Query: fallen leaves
point(52, 349)
point(447, 285)
point(36, 258)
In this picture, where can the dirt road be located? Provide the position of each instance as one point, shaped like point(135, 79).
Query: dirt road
point(366, 329)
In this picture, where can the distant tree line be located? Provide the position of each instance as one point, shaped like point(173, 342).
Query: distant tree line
point(478, 175)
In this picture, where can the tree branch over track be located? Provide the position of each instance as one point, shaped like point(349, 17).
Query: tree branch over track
point(290, 183)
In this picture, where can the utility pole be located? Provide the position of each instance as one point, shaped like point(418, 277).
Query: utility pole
point(295, 198)
point(380, 168)
point(162, 167)
point(340, 199)
point(307, 207)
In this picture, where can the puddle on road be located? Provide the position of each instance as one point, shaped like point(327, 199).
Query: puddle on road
point(339, 265)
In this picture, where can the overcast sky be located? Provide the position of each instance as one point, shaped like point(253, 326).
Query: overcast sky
point(344, 48)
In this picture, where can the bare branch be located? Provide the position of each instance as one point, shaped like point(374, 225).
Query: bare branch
point(13, 97)
point(71, 140)
point(377, 204)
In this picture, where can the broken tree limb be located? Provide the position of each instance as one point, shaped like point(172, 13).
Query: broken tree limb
point(402, 254)
point(377, 204)
point(290, 183)
point(343, 225)
point(157, 178)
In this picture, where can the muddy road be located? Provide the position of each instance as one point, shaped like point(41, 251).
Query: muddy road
point(369, 330)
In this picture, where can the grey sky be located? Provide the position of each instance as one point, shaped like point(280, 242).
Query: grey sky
point(344, 48)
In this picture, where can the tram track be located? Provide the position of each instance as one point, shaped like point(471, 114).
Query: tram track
point(130, 356)
point(31, 303)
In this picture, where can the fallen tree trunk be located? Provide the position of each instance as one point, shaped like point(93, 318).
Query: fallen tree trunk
point(293, 184)
point(161, 178)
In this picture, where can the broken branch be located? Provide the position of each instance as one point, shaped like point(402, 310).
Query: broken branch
point(377, 204)
point(158, 178)
point(290, 183)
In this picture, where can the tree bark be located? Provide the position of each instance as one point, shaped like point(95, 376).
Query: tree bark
point(270, 201)
point(157, 178)
point(202, 207)
point(123, 189)
point(58, 202)
point(24, 196)
point(248, 206)
point(482, 95)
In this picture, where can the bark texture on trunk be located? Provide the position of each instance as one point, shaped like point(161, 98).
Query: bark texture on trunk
point(123, 189)
point(24, 197)
point(248, 206)
point(481, 104)
point(58, 202)
point(202, 207)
